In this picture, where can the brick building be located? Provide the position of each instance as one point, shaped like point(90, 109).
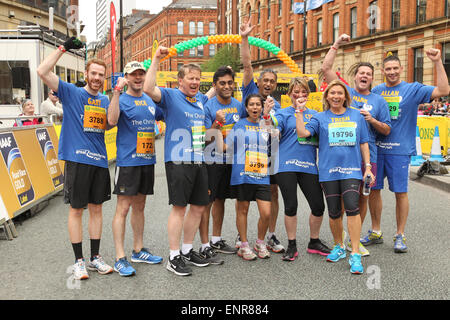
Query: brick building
point(404, 27)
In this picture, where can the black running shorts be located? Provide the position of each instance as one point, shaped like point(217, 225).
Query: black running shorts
point(187, 184)
point(252, 192)
point(84, 183)
point(129, 181)
point(219, 176)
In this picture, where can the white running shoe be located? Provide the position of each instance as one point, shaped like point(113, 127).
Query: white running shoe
point(79, 270)
point(98, 264)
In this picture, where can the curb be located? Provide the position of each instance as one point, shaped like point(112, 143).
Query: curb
point(441, 182)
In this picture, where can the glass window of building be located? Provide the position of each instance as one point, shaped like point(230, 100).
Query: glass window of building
point(200, 51)
point(280, 39)
point(395, 14)
point(192, 52)
point(353, 20)
point(280, 8)
point(447, 8)
point(212, 50)
point(191, 27)
point(374, 17)
point(212, 28)
point(291, 40)
point(268, 10)
point(200, 28)
point(421, 11)
point(180, 26)
point(258, 12)
point(418, 64)
point(14, 81)
point(335, 26)
point(319, 32)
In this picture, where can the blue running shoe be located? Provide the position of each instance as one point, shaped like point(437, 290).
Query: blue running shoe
point(372, 238)
point(399, 244)
point(145, 256)
point(124, 268)
point(336, 254)
point(355, 263)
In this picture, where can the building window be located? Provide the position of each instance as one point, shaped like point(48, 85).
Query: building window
point(280, 37)
point(200, 28)
point(268, 10)
point(421, 11)
point(212, 50)
point(446, 58)
point(447, 9)
point(212, 28)
point(200, 51)
point(335, 26)
point(14, 81)
point(291, 40)
point(258, 12)
point(292, 5)
point(192, 52)
point(374, 22)
point(180, 26)
point(191, 27)
point(280, 8)
point(353, 20)
point(418, 64)
point(319, 32)
point(395, 14)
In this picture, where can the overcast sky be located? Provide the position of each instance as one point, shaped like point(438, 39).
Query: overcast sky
point(87, 13)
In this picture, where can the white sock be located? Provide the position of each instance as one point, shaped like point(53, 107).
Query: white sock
point(214, 239)
point(174, 253)
point(270, 234)
point(205, 245)
point(185, 248)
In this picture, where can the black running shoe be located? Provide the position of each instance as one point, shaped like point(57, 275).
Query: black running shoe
point(211, 256)
point(177, 266)
point(194, 258)
point(222, 247)
point(319, 248)
point(291, 254)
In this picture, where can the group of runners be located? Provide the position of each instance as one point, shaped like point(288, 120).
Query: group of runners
point(217, 148)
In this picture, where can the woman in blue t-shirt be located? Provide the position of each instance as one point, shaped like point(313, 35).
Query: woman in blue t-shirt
point(343, 140)
point(297, 165)
point(249, 144)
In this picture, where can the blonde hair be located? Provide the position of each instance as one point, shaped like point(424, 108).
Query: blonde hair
point(336, 82)
point(298, 81)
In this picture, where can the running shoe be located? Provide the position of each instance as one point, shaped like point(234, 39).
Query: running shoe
point(222, 247)
point(194, 258)
point(318, 248)
point(124, 268)
point(238, 242)
point(79, 270)
point(246, 253)
point(98, 264)
point(261, 250)
point(145, 256)
point(274, 245)
point(210, 255)
point(372, 238)
point(362, 250)
point(291, 254)
point(400, 244)
point(178, 266)
point(356, 266)
point(336, 254)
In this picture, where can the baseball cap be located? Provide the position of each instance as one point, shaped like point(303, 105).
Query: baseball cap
point(133, 66)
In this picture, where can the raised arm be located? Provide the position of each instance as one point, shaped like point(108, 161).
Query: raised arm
point(442, 89)
point(245, 30)
point(381, 127)
point(45, 69)
point(328, 61)
point(150, 86)
point(300, 107)
point(114, 108)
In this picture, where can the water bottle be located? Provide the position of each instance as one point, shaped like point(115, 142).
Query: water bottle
point(366, 186)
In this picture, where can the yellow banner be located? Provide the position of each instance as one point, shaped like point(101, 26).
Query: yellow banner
point(427, 127)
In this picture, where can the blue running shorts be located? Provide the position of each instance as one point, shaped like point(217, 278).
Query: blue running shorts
point(396, 169)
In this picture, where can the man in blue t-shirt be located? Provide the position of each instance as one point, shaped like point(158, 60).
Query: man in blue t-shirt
point(135, 115)
point(395, 150)
point(186, 172)
point(267, 83)
point(372, 106)
point(82, 147)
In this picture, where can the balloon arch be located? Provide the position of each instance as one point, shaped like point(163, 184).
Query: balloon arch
point(229, 38)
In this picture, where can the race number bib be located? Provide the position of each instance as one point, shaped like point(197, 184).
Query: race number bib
point(342, 134)
point(394, 103)
point(198, 138)
point(94, 119)
point(256, 163)
point(145, 145)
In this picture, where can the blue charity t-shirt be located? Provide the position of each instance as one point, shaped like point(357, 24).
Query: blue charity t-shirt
point(295, 154)
point(185, 125)
point(252, 88)
point(403, 100)
point(136, 131)
point(233, 113)
point(379, 110)
point(250, 148)
point(82, 137)
point(340, 137)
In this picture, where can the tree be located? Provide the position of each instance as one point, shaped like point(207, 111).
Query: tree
point(228, 55)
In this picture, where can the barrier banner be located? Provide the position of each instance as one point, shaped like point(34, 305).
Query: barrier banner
point(426, 130)
point(51, 160)
point(18, 174)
